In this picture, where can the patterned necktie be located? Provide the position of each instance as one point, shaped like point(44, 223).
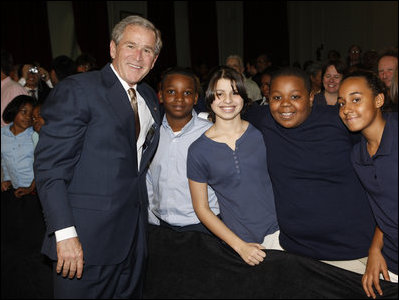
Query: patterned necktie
point(133, 102)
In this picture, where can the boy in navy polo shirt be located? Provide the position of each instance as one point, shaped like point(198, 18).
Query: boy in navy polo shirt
point(375, 160)
point(322, 208)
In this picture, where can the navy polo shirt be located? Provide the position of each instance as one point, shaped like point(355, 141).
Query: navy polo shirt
point(379, 175)
point(322, 208)
point(240, 180)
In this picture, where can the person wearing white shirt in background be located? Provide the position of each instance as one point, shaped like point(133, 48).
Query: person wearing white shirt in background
point(9, 88)
point(253, 90)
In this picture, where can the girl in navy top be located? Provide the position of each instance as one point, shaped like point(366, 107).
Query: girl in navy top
point(231, 157)
point(375, 160)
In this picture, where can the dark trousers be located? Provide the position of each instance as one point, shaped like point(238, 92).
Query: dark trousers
point(121, 281)
point(193, 227)
point(25, 272)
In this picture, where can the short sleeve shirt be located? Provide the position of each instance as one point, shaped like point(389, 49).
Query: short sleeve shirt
point(379, 175)
point(240, 180)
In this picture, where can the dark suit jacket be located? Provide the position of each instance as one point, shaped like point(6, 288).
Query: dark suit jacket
point(86, 165)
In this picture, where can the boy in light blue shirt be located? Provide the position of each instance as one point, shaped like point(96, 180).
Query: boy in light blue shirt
point(170, 202)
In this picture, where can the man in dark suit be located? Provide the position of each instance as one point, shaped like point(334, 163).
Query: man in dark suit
point(90, 169)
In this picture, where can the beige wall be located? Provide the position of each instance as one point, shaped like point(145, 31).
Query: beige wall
point(336, 24)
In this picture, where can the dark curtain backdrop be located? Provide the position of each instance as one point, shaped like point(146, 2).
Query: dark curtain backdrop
point(266, 30)
point(162, 15)
point(92, 30)
point(24, 31)
point(203, 33)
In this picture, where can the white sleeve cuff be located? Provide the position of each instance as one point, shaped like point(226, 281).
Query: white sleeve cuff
point(65, 233)
point(22, 81)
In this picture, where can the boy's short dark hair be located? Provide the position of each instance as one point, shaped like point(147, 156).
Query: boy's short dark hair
point(12, 109)
point(63, 66)
point(292, 71)
point(225, 72)
point(86, 59)
point(181, 71)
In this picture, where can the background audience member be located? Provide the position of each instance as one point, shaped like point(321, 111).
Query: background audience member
point(14, 73)
point(375, 160)
point(85, 62)
point(36, 81)
point(169, 196)
point(333, 55)
point(37, 123)
point(265, 88)
point(253, 91)
point(393, 90)
point(332, 73)
point(314, 71)
point(16, 153)
point(263, 62)
point(25, 69)
point(387, 63)
point(22, 222)
point(250, 68)
point(354, 56)
point(370, 59)
point(9, 88)
point(61, 67)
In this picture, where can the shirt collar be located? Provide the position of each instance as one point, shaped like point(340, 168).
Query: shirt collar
point(186, 127)
point(385, 147)
point(8, 132)
point(123, 82)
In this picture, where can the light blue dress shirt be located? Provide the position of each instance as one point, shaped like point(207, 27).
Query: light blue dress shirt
point(167, 183)
point(17, 156)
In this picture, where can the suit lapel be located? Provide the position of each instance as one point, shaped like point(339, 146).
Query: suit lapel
point(119, 103)
point(152, 136)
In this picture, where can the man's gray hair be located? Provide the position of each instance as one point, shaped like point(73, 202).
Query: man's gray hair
point(238, 58)
point(119, 28)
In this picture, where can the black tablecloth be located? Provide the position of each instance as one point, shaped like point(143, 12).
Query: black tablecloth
point(185, 265)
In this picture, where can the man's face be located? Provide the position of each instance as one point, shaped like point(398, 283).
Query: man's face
point(32, 79)
point(233, 63)
point(134, 56)
point(386, 67)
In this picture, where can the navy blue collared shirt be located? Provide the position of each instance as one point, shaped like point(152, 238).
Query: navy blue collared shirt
point(322, 208)
point(379, 176)
point(241, 181)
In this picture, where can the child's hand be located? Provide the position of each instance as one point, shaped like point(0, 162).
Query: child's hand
point(252, 253)
point(22, 191)
point(5, 185)
point(375, 265)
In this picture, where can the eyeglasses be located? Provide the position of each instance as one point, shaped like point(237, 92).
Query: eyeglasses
point(355, 51)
